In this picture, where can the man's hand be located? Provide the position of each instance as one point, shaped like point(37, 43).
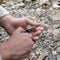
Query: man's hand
point(18, 47)
point(10, 23)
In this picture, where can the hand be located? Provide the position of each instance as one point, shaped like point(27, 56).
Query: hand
point(11, 23)
point(18, 47)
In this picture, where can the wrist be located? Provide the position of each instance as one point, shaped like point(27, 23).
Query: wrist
point(5, 20)
point(4, 51)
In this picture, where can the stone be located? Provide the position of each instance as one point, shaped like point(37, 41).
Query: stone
point(19, 5)
point(43, 1)
point(38, 9)
point(56, 16)
point(55, 31)
point(58, 50)
point(42, 55)
point(56, 26)
point(54, 52)
point(34, 46)
point(34, 58)
point(37, 53)
point(52, 57)
point(8, 0)
point(56, 5)
point(28, 0)
point(19, 0)
point(58, 57)
point(9, 4)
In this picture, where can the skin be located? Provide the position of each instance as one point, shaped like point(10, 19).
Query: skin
point(11, 23)
point(18, 47)
point(20, 43)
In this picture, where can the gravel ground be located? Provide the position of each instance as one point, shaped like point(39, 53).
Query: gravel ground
point(48, 46)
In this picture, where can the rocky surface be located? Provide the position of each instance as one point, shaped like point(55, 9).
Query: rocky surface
point(47, 12)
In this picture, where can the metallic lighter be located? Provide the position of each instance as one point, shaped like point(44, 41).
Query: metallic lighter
point(30, 29)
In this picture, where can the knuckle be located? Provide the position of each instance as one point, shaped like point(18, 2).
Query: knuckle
point(28, 35)
point(20, 28)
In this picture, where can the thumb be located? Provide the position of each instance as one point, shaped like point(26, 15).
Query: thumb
point(30, 22)
point(19, 29)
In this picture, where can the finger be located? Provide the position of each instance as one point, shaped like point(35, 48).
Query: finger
point(37, 33)
point(28, 35)
point(35, 38)
point(19, 29)
point(30, 22)
point(39, 28)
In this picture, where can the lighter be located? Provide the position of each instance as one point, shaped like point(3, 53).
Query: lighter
point(30, 29)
